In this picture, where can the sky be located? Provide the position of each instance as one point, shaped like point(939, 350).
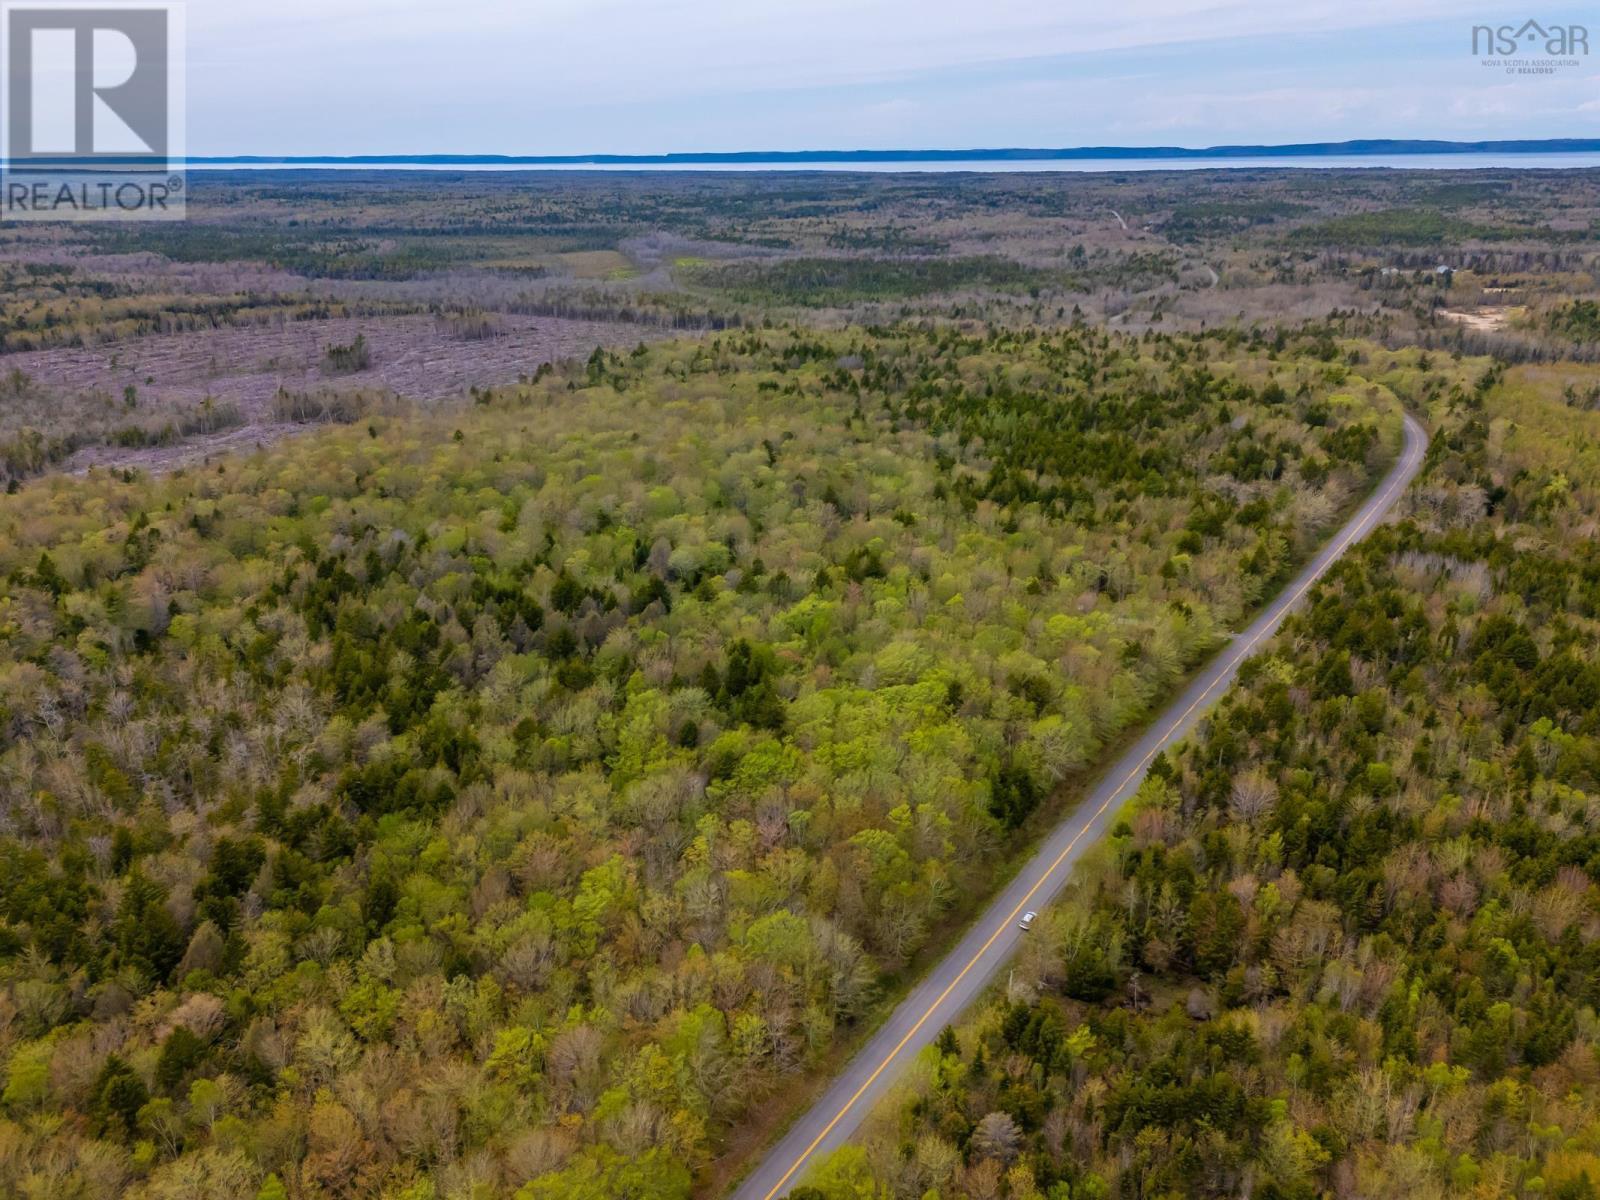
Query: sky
point(655, 76)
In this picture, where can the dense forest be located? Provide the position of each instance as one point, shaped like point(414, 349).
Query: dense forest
point(505, 798)
point(1346, 942)
point(530, 784)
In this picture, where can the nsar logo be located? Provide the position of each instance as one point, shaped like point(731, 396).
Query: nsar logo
point(1530, 48)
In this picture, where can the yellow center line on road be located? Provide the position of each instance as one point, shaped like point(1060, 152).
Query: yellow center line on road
point(1355, 531)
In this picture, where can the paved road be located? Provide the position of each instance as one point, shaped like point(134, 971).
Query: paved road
point(975, 961)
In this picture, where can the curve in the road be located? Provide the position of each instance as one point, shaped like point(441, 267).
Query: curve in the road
point(958, 978)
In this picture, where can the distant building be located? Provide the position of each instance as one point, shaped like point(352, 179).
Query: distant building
point(1447, 274)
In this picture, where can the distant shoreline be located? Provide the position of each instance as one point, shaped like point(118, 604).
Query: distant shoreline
point(1348, 149)
point(1458, 162)
point(1401, 155)
point(1369, 149)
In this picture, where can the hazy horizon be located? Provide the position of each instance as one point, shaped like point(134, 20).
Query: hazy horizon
point(999, 156)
